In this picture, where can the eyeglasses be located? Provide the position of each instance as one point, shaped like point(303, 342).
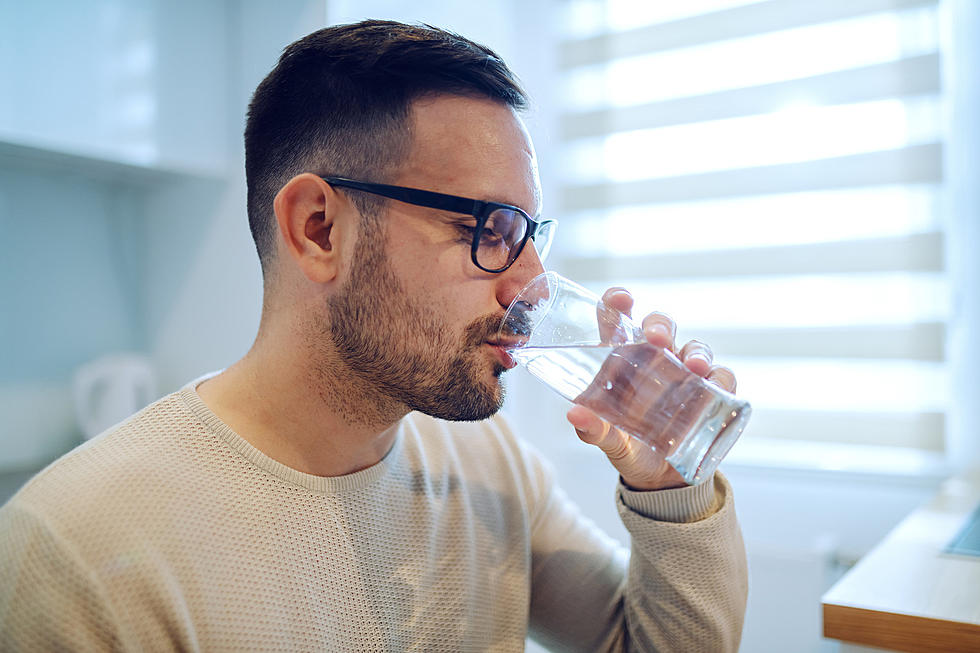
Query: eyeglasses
point(500, 232)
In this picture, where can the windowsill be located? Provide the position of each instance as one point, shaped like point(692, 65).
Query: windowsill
point(825, 459)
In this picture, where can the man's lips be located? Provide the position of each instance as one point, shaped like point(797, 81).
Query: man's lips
point(501, 350)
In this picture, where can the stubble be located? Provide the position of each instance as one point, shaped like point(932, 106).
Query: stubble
point(399, 349)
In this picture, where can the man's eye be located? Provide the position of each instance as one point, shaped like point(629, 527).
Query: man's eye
point(466, 232)
point(489, 237)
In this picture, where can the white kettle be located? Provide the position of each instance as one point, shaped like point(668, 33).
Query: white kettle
point(110, 389)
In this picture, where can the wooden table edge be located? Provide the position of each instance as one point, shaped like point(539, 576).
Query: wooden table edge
point(899, 632)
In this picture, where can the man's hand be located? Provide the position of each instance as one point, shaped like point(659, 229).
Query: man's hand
point(640, 467)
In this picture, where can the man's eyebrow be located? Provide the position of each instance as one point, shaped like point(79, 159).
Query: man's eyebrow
point(453, 216)
point(535, 215)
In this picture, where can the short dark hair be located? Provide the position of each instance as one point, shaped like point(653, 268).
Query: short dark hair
point(338, 101)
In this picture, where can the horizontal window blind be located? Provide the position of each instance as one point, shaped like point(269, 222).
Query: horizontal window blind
point(769, 173)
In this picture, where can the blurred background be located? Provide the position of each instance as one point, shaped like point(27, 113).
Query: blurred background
point(793, 181)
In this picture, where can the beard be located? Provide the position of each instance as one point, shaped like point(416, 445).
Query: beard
point(398, 346)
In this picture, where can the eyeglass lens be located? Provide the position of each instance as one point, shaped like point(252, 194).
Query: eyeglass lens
point(501, 236)
point(544, 235)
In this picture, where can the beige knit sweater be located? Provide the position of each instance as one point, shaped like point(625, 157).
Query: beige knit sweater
point(171, 532)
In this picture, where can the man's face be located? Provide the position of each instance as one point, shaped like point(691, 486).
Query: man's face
point(416, 318)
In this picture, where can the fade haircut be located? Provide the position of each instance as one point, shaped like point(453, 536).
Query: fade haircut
point(338, 103)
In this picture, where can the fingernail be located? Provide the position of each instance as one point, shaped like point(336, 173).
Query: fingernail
point(699, 356)
point(660, 329)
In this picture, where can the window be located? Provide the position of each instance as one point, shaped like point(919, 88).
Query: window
point(770, 173)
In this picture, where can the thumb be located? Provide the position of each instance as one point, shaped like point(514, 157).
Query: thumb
point(639, 466)
point(619, 447)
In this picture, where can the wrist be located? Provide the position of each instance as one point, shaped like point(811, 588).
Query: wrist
point(664, 477)
point(685, 504)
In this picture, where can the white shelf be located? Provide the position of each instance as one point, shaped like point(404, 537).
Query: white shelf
point(105, 166)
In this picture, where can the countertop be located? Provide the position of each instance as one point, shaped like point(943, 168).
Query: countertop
point(908, 593)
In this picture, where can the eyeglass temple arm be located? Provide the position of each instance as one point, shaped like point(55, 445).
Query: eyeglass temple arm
point(413, 196)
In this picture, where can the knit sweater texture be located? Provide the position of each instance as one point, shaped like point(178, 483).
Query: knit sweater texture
point(171, 532)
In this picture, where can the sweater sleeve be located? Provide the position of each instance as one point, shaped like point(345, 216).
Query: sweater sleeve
point(683, 587)
point(688, 577)
point(48, 599)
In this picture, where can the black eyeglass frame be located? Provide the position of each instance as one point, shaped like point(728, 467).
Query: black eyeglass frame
point(431, 200)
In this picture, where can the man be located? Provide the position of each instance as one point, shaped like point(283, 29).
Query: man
point(346, 486)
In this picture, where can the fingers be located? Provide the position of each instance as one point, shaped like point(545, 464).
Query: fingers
point(615, 303)
point(660, 330)
point(697, 356)
point(619, 299)
point(723, 377)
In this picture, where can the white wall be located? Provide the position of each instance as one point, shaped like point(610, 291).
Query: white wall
point(204, 283)
point(104, 106)
point(122, 196)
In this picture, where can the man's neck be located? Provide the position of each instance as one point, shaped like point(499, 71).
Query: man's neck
point(308, 417)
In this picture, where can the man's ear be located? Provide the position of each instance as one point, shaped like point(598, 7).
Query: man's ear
point(311, 218)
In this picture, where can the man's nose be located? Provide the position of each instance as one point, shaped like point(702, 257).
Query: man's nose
point(527, 266)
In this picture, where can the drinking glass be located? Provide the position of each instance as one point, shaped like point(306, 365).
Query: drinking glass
point(593, 355)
